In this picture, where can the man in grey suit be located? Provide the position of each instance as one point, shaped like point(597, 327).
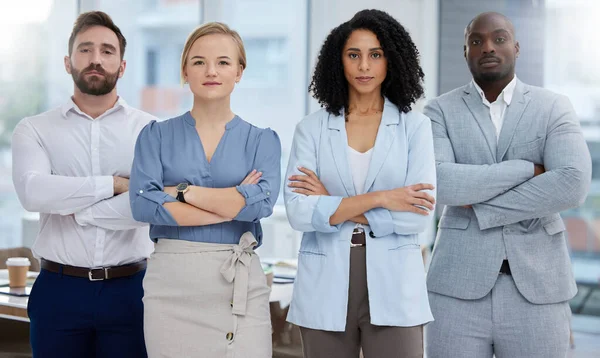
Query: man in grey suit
point(510, 157)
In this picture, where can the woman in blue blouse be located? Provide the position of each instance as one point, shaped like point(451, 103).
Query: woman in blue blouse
point(360, 186)
point(203, 181)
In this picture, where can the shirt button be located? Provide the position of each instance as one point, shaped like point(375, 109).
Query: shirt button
point(229, 336)
point(371, 234)
point(141, 192)
point(268, 193)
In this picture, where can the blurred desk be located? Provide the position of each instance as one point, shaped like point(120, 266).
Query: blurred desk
point(14, 307)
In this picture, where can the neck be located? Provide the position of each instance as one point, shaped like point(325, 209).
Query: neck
point(94, 106)
point(365, 103)
point(493, 89)
point(212, 112)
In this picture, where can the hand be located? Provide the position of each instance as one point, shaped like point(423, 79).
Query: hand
point(538, 169)
point(120, 185)
point(308, 184)
point(252, 178)
point(409, 198)
point(171, 190)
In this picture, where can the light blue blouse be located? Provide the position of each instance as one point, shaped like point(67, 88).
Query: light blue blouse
point(170, 152)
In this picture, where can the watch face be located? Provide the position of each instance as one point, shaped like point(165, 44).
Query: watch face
point(182, 186)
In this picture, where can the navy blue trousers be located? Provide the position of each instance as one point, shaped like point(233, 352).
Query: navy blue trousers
point(73, 317)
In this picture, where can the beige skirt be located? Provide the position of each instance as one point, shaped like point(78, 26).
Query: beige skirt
point(206, 300)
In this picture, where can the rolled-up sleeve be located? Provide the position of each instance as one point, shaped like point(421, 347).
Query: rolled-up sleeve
point(421, 169)
point(308, 213)
point(261, 197)
point(146, 193)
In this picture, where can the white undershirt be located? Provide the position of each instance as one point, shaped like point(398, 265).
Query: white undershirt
point(359, 166)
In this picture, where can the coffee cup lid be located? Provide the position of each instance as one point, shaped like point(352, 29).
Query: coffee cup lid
point(18, 261)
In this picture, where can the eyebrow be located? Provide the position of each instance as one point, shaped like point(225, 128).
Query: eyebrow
point(90, 43)
point(357, 49)
point(203, 58)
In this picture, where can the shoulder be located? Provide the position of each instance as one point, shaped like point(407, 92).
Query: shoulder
point(313, 122)
point(262, 136)
point(40, 122)
point(139, 116)
point(415, 121)
point(542, 94)
point(158, 129)
point(451, 96)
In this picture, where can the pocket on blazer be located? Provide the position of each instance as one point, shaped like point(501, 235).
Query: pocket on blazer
point(454, 222)
point(555, 227)
point(524, 148)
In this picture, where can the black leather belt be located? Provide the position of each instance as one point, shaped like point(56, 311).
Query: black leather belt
point(95, 273)
point(358, 239)
point(505, 268)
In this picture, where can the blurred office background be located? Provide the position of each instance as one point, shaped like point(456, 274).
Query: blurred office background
point(559, 51)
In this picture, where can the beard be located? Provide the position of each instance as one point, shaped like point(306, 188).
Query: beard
point(94, 85)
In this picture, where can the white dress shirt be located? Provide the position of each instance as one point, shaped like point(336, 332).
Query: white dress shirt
point(359, 167)
point(63, 167)
point(498, 108)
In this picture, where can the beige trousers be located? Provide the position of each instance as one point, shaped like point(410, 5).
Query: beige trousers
point(206, 300)
point(375, 341)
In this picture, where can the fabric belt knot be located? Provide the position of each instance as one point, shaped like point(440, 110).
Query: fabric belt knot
point(236, 269)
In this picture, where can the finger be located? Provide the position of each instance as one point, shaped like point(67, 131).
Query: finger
point(417, 210)
point(421, 186)
point(424, 195)
point(300, 178)
point(422, 202)
point(303, 191)
point(247, 178)
point(255, 178)
point(308, 172)
point(302, 185)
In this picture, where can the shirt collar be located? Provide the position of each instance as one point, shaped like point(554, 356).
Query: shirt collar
point(506, 95)
point(71, 106)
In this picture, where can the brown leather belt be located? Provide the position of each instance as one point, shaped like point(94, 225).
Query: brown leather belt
point(358, 239)
point(95, 273)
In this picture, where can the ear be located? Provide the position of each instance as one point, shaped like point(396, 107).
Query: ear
point(518, 49)
point(239, 74)
point(465, 51)
point(67, 61)
point(122, 68)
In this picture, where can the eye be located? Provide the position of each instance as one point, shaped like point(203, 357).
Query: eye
point(353, 56)
point(500, 39)
point(108, 52)
point(84, 50)
point(198, 62)
point(223, 63)
point(376, 55)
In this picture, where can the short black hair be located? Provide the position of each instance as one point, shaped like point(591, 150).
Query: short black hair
point(403, 82)
point(96, 18)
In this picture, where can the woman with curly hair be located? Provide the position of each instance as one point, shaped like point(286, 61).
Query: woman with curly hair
point(360, 186)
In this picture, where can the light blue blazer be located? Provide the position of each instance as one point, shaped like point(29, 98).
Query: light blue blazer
point(403, 155)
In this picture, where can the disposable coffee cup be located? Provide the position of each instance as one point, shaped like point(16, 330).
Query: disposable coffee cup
point(17, 271)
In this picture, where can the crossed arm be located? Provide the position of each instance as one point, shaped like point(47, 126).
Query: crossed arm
point(516, 190)
point(94, 200)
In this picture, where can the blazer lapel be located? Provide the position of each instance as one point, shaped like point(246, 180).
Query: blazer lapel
point(338, 140)
point(386, 134)
point(512, 117)
point(482, 115)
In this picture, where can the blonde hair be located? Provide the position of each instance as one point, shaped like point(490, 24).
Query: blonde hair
point(211, 28)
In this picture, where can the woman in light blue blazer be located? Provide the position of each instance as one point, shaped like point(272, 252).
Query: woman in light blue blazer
point(360, 186)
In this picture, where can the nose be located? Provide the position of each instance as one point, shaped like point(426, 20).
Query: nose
point(211, 70)
point(488, 47)
point(363, 65)
point(96, 58)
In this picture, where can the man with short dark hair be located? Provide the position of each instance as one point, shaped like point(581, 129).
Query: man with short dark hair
point(72, 164)
point(510, 157)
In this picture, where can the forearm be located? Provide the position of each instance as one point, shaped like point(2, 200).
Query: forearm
point(466, 184)
point(110, 214)
point(188, 215)
point(224, 202)
point(360, 219)
point(355, 206)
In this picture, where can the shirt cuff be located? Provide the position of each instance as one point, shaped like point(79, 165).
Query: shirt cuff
point(84, 217)
point(104, 187)
point(326, 206)
point(252, 193)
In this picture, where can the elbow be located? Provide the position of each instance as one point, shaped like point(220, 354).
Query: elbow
point(417, 226)
point(137, 210)
point(31, 201)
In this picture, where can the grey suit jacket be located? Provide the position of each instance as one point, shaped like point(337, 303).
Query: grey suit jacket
point(513, 213)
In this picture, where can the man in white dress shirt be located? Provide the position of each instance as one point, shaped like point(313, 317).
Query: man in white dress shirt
point(71, 164)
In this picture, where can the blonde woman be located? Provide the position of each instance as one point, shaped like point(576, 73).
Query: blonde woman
point(203, 181)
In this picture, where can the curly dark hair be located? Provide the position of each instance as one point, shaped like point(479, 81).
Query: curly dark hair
point(403, 82)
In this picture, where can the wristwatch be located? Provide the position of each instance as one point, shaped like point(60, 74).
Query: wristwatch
point(181, 189)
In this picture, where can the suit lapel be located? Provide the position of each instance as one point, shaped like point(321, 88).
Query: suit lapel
point(386, 134)
point(482, 115)
point(338, 140)
point(512, 117)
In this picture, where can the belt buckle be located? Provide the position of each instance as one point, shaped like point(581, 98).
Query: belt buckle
point(91, 275)
point(357, 230)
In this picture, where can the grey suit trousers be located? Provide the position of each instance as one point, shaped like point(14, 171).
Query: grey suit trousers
point(503, 323)
point(376, 341)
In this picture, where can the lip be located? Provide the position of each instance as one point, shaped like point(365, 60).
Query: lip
point(211, 83)
point(489, 62)
point(94, 73)
point(364, 79)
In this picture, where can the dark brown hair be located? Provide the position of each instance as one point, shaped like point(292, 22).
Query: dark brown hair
point(96, 18)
